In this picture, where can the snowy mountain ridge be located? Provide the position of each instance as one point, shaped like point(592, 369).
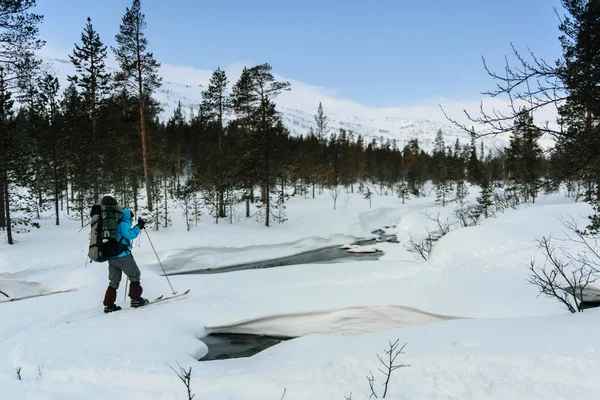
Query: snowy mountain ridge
point(298, 107)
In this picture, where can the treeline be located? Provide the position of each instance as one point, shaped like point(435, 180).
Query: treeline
point(102, 134)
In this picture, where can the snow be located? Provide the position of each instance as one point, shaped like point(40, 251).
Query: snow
point(474, 327)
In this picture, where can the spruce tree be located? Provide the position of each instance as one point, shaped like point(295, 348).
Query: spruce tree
point(461, 191)
point(19, 39)
point(441, 182)
point(138, 73)
point(49, 88)
point(473, 166)
point(484, 201)
point(413, 166)
point(579, 145)
point(524, 155)
point(266, 125)
point(93, 81)
point(217, 104)
point(177, 134)
point(75, 120)
point(8, 148)
point(243, 100)
point(322, 124)
point(403, 191)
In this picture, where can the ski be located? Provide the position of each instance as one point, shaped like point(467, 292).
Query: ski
point(33, 296)
point(163, 298)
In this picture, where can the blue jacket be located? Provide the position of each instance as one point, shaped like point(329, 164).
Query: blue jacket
point(125, 233)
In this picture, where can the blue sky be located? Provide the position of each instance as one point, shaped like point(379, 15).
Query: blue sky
point(382, 53)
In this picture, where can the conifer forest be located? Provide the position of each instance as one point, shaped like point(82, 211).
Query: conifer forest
point(65, 144)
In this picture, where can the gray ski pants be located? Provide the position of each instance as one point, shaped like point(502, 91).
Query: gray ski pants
point(116, 266)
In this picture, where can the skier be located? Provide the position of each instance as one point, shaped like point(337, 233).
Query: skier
point(124, 262)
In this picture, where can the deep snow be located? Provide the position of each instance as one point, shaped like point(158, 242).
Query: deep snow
point(474, 327)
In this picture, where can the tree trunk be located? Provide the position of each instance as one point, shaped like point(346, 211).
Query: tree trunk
point(95, 166)
point(248, 206)
point(221, 203)
point(143, 129)
point(2, 206)
point(7, 207)
point(266, 184)
point(56, 185)
point(135, 197)
point(166, 205)
point(178, 164)
point(81, 207)
point(62, 205)
point(145, 154)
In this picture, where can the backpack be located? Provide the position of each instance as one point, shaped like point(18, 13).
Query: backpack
point(103, 238)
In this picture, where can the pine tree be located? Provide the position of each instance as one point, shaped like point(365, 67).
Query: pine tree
point(266, 125)
point(93, 80)
point(443, 190)
point(413, 166)
point(441, 182)
point(473, 166)
point(438, 145)
point(484, 201)
point(461, 191)
point(8, 147)
point(19, 39)
point(139, 73)
point(579, 145)
point(243, 99)
point(49, 87)
point(403, 191)
point(75, 120)
point(217, 104)
point(524, 155)
point(321, 121)
point(31, 132)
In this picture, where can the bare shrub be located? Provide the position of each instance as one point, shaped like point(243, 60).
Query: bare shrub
point(421, 246)
point(467, 215)
point(388, 366)
point(424, 245)
point(509, 198)
point(186, 378)
point(565, 276)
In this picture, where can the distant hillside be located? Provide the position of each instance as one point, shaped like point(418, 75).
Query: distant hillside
point(299, 120)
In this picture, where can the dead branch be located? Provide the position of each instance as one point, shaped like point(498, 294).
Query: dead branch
point(590, 242)
point(443, 227)
point(560, 279)
point(389, 366)
point(421, 246)
point(533, 84)
point(371, 380)
point(467, 215)
point(186, 378)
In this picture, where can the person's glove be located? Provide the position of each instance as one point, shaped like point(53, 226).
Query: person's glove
point(141, 223)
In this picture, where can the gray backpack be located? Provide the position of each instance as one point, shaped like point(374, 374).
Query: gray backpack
point(103, 238)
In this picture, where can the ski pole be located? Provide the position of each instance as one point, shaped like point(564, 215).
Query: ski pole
point(125, 294)
point(155, 253)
